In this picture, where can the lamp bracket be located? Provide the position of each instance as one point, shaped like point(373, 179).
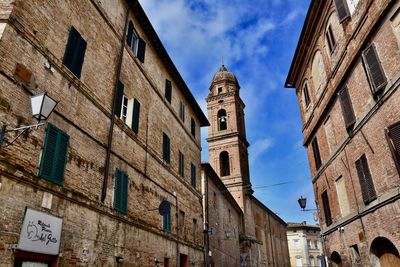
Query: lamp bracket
point(4, 131)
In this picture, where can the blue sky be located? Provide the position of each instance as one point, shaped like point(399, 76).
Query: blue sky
point(256, 40)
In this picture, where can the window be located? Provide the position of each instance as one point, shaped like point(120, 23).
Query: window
point(312, 263)
point(352, 4)
point(347, 108)
point(181, 111)
point(121, 191)
point(393, 136)
point(219, 90)
point(167, 222)
point(166, 149)
point(296, 244)
point(327, 209)
point(330, 38)
point(182, 223)
point(54, 155)
point(136, 43)
point(306, 93)
point(135, 115)
point(345, 8)
point(181, 164)
point(316, 244)
point(193, 127)
point(168, 90)
point(298, 261)
point(308, 243)
point(193, 175)
point(74, 52)
point(374, 70)
point(124, 108)
point(317, 156)
point(194, 230)
point(222, 121)
point(224, 164)
point(365, 178)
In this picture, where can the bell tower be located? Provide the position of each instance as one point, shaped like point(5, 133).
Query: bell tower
point(227, 141)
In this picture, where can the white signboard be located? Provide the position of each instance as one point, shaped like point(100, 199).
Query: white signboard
point(40, 233)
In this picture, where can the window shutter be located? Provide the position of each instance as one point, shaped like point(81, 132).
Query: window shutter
point(347, 107)
point(130, 34)
point(306, 95)
point(124, 193)
point(141, 50)
point(394, 140)
point(54, 156)
point(80, 56)
point(193, 174)
point(330, 39)
point(327, 209)
point(365, 178)
point(166, 148)
point(167, 222)
point(193, 127)
point(317, 155)
point(375, 73)
point(68, 58)
point(168, 90)
point(181, 164)
point(118, 190)
point(118, 99)
point(342, 9)
point(136, 115)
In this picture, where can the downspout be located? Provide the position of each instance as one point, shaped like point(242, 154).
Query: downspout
point(204, 185)
point(111, 130)
point(177, 230)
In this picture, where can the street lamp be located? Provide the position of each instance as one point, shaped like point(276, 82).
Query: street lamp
point(303, 202)
point(41, 107)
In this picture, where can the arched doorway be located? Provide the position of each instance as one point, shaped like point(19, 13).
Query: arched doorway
point(336, 260)
point(384, 253)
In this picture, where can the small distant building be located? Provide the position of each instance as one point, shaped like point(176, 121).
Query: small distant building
point(305, 246)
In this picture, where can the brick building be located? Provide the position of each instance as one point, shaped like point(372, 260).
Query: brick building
point(346, 74)
point(124, 137)
point(305, 246)
point(263, 238)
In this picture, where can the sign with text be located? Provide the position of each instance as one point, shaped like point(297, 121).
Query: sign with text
point(40, 232)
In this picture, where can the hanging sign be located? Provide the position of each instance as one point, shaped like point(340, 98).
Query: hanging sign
point(40, 233)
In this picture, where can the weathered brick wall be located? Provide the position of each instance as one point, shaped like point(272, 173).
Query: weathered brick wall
point(340, 150)
point(93, 233)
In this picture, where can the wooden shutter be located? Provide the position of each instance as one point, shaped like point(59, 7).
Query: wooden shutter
point(118, 99)
point(365, 178)
point(121, 191)
point(327, 209)
point(193, 174)
point(342, 9)
point(330, 39)
point(393, 134)
point(167, 222)
point(54, 156)
point(317, 156)
point(168, 90)
point(306, 95)
point(373, 67)
point(74, 52)
point(135, 116)
point(166, 148)
point(193, 127)
point(130, 34)
point(347, 107)
point(181, 111)
point(141, 50)
point(181, 164)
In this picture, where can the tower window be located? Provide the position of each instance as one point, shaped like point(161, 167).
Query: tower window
point(224, 163)
point(219, 90)
point(222, 123)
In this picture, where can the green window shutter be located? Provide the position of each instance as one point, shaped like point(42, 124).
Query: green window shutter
point(130, 34)
point(124, 193)
point(167, 222)
point(121, 191)
point(373, 67)
point(193, 174)
point(168, 90)
point(166, 148)
point(141, 50)
point(118, 99)
point(74, 52)
point(136, 115)
point(193, 127)
point(181, 164)
point(54, 156)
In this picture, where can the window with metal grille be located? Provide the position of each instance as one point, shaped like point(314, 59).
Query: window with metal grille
point(54, 155)
point(365, 178)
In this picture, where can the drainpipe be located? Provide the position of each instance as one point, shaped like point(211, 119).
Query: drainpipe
point(204, 185)
point(111, 130)
point(177, 230)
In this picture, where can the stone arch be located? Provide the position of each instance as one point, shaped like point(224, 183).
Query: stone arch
point(318, 72)
point(222, 120)
point(383, 253)
point(336, 260)
point(224, 165)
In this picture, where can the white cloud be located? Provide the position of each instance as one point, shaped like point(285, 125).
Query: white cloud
point(259, 147)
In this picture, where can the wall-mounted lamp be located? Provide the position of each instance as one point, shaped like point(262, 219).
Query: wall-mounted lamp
point(41, 106)
point(303, 202)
